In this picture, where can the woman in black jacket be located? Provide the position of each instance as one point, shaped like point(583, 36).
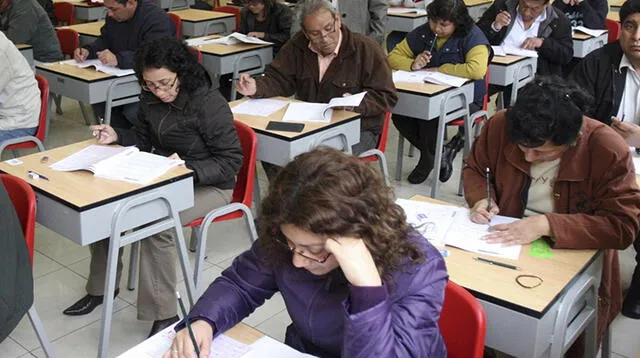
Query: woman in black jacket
point(182, 115)
point(268, 20)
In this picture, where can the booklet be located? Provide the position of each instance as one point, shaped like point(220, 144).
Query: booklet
point(438, 78)
point(231, 39)
point(319, 112)
point(406, 10)
point(510, 50)
point(590, 32)
point(118, 163)
point(99, 66)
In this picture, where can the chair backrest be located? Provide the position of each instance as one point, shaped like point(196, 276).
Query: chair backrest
point(614, 30)
point(196, 53)
point(231, 10)
point(69, 41)
point(24, 202)
point(243, 192)
point(382, 142)
point(177, 22)
point(41, 132)
point(463, 323)
point(485, 100)
point(65, 12)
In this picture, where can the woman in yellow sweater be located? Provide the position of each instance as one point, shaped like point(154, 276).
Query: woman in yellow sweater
point(449, 43)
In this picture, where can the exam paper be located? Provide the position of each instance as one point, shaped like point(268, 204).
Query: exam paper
point(440, 78)
point(408, 77)
point(99, 66)
point(511, 50)
point(431, 220)
point(498, 51)
point(263, 107)
point(320, 112)
point(231, 39)
point(86, 157)
point(406, 10)
point(467, 235)
point(591, 32)
point(269, 347)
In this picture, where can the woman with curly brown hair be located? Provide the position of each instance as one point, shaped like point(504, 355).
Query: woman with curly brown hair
point(356, 279)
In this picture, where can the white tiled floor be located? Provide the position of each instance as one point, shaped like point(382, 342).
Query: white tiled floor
point(61, 268)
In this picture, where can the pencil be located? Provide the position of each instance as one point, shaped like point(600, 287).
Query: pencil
point(188, 325)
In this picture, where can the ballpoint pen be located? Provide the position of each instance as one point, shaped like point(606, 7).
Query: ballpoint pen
point(187, 324)
point(34, 175)
point(496, 263)
point(487, 174)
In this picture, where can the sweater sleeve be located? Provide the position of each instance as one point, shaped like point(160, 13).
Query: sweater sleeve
point(21, 27)
point(402, 326)
point(401, 57)
point(280, 76)
point(474, 67)
point(615, 197)
point(558, 47)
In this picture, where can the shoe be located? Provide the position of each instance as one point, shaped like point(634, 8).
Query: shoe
point(449, 152)
point(161, 324)
point(86, 305)
point(631, 304)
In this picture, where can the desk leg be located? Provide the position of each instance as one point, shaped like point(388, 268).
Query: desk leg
point(109, 287)
point(606, 344)
point(256, 193)
point(399, 157)
point(87, 120)
point(437, 161)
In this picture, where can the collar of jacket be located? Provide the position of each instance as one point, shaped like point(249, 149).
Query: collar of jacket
point(347, 48)
point(552, 16)
point(575, 161)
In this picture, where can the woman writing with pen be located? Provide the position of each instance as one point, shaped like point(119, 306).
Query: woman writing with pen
point(569, 176)
point(450, 43)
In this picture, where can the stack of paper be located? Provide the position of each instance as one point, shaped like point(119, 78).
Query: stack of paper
point(406, 10)
point(259, 107)
point(319, 112)
point(408, 77)
point(99, 66)
point(510, 50)
point(591, 32)
point(231, 39)
point(450, 225)
point(428, 76)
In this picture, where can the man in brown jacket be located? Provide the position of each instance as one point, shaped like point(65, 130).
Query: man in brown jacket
point(570, 176)
point(326, 60)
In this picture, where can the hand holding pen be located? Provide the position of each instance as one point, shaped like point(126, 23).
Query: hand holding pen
point(423, 58)
point(104, 133)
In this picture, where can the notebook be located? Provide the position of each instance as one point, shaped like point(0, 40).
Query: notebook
point(118, 163)
point(319, 112)
point(99, 66)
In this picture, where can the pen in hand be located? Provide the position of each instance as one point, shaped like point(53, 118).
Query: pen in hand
point(487, 177)
point(188, 324)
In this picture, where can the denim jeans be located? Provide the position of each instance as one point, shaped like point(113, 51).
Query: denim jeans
point(15, 133)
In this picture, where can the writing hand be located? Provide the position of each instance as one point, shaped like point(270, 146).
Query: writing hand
point(181, 347)
point(421, 61)
point(104, 133)
point(80, 54)
point(479, 214)
point(502, 19)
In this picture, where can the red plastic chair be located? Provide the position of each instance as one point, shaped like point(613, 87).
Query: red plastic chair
point(231, 10)
point(69, 41)
point(24, 202)
point(377, 154)
point(177, 22)
point(43, 123)
point(463, 323)
point(240, 205)
point(196, 53)
point(614, 29)
point(65, 13)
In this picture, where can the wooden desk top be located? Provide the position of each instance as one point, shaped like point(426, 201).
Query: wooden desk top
point(223, 50)
point(23, 46)
point(497, 284)
point(260, 123)
point(423, 88)
point(616, 3)
point(506, 60)
point(613, 15)
point(79, 189)
point(195, 15)
point(80, 3)
point(88, 74)
point(244, 333)
point(477, 2)
point(88, 28)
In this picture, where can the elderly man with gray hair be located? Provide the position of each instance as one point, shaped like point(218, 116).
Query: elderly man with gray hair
point(326, 60)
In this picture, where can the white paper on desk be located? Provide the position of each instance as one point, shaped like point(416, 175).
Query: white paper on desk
point(511, 50)
point(86, 157)
point(99, 66)
point(467, 235)
point(233, 39)
point(406, 10)
point(591, 32)
point(408, 77)
point(498, 51)
point(431, 220)
point(154, 347)
point(320, 112)
point(135, 167)
point(269, 347)
point(440, 78)
point(263, 107)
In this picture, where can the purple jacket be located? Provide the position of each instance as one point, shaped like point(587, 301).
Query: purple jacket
point(330, 317)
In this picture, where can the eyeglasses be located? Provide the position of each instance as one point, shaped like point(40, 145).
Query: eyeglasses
point(149, 87)
point(317, 35)
point(280, 239)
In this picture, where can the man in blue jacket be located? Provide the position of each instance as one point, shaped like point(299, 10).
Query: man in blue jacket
point(129, 23)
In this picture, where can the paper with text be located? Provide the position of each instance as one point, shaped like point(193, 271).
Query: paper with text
point(468, 235)
point(431, 220)
point(591, 32)
point(263, 107)
point(269, 347)
point(320, 112)
point(510, 50)
point(408, 77)
point(406, 10)
point(231, 39)
point(440, 78)
point(498, 51)
point(87, 157)
point(99, 66)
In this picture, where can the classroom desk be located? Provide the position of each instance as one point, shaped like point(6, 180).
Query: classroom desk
point(88, 32)
point(201, 22)
point(506, 70)
point(405, 22)
point(174, 4)
point(27, 52)
point(429, 101)
point(520, 321)
point(86, 209)
point(583, 44)
point(87, 12)
point(281, 147)
point(85, 85)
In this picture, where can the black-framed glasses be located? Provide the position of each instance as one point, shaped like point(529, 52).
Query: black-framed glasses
point(317, 35)
point(149, 87)
point(280, 239)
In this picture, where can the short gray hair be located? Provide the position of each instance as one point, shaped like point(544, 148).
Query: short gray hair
point(310, 7)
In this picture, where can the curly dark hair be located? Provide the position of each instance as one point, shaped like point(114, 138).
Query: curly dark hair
point(629, 7)
point(330, 193)
point(547, 109)
point(454, 11)
point(174, 55)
